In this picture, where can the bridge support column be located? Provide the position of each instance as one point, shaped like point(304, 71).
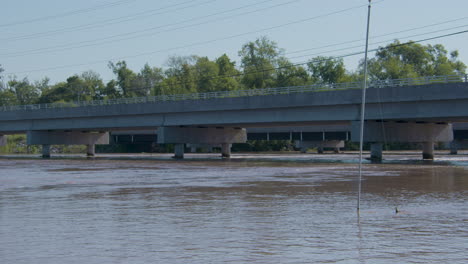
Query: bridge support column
point(376, 152)
point(179, 151)
point(226, 150)
point(90, 150)
point(223, 136)
point(3, 140)
point(193, 149)
point(90, 139)
point(45, 151)
point(412, 132)
point(320, 150)
point(428, 150)
point(457, 145)
point(454, 147)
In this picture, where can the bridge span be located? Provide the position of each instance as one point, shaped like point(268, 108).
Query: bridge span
point(410, 110)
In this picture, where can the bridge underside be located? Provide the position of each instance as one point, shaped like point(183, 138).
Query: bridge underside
point(409, 107)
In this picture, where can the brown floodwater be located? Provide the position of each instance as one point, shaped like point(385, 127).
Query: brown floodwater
point(250, 209)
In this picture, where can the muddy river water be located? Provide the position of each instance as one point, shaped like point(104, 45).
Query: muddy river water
point(249, 209)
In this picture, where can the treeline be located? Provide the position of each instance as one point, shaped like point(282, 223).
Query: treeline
point(262, 64)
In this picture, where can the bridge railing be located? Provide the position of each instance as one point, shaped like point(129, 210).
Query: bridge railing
point(244, 93)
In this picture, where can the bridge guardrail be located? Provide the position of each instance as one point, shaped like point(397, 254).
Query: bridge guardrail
point(245, 93)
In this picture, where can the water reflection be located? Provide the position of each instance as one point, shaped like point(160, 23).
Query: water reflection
point(277, 209)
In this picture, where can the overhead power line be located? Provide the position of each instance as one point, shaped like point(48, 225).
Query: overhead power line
point(380, 42)
point(381, 35)
point(223, 38)
point(130, 35)
point(297, 64)
point(112, 21)
point(65, 14)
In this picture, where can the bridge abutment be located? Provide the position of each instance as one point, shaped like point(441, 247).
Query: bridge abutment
point(223, 136)
point(47, 138)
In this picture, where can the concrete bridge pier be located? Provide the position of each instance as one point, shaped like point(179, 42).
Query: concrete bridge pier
point(3, 140)
point(303, 149)
point(226, 150)
point(45, 151)
point(376, 152)
point(457, 145)
point(428, 150)
point(90, 150)
point(179, 151)
point(320, 150)
point(47, 138)
point(454, 147)
point(403, 131)
point(214, 136)
point(193, 149)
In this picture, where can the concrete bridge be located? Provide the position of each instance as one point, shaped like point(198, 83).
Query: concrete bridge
point(408, 110)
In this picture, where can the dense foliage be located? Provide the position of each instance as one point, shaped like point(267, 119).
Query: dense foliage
point(262, 64)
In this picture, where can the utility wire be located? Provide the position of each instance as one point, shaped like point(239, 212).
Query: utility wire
point(289, 66)
point(65, 14)
point(381, 35)
point(201, 42)
point(111, 39)
point(380, 42)
point(112, 21)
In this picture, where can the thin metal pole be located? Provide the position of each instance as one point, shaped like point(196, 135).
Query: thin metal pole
point(363, 108)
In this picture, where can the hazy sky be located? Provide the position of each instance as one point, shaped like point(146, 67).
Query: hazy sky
point(59, 38)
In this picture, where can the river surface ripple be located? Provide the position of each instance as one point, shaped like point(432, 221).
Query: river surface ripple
point(250, 209)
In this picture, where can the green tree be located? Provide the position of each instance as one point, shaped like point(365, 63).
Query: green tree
point(259, 60)
point(180, 76)
point(327, 70)
point(409, 60)
point(93, 86)
point(148, 79)
point(110, 91)
point(42, 85)
point(25, 92)
point(291, 75)
point(228, 75)
point(77, 88)
point(58, 92)
point(206, 72)
point(126, 78)
point(7, 97)
point(2, 85)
